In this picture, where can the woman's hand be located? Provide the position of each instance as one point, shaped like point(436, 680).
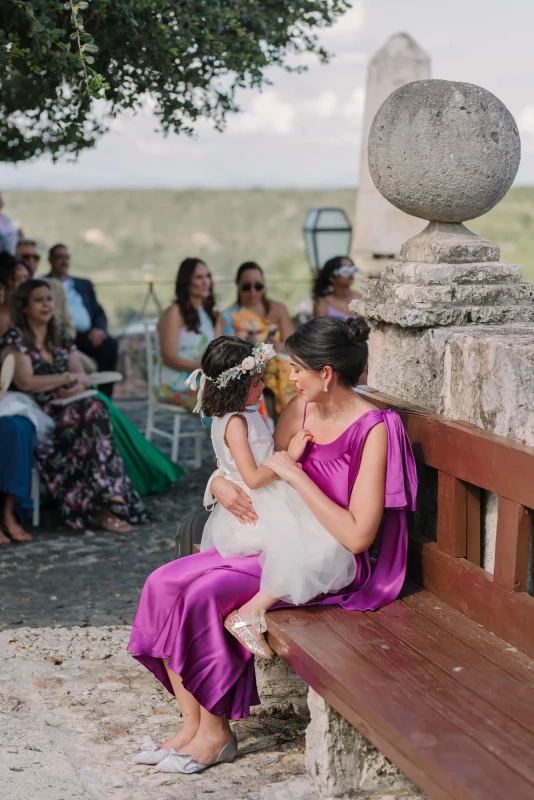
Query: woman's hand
point(298, 444)
point(82, 378)
point(77, 388)
point(234, 499)
point(284, 466)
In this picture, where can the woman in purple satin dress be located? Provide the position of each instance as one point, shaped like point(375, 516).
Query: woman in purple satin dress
point(358, 471)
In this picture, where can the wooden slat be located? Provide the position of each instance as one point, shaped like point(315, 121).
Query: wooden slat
point(507, 657)
point(472, 591)
point(473, 524)
point(467, 666)
point(492, 462)
point(496, 731)
point(452, 515)
point(431, 750)
point(514, 524)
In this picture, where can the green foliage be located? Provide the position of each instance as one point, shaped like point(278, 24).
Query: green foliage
point(189, 56)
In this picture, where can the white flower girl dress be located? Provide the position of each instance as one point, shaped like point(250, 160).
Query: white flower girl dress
point(299, 558)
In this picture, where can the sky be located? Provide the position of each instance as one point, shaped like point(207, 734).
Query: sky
point(305, 130)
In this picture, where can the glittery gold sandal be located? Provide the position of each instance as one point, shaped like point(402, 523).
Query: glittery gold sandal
point(238, 628)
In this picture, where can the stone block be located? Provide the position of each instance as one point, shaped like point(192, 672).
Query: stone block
point(482, 272)
point(342, 763)
point(450, 244)
point(279, 687)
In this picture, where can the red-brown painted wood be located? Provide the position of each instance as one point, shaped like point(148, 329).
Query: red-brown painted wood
point(514, 523)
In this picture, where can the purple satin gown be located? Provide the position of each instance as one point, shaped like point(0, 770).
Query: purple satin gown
point(184, 603)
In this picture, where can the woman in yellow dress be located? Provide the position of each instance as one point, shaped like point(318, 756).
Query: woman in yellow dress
point(258, 318)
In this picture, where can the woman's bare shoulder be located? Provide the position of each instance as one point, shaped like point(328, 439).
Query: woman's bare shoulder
point(171, 315)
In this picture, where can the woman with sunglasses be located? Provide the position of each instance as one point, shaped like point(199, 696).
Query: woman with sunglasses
point(257, 318)
point(332, 290)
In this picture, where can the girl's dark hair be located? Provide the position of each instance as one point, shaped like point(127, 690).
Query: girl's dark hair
point(333, 342)
point(19, 308)
point(243, 268)
point(183, 295)
point(8, 266)
point(221, 354)
point(322, 285)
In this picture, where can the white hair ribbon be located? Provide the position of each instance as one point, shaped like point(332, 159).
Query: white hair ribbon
point(192, 383)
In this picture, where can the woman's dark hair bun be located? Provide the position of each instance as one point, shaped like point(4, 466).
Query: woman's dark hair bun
point(358, 330)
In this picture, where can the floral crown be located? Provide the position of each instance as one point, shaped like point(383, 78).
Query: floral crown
point(253, 364)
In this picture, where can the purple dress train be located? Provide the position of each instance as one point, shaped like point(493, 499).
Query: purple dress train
point(184, 603)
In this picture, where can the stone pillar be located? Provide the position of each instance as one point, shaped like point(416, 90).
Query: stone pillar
point(379, 227)
point(452, 326)
point(341, 764)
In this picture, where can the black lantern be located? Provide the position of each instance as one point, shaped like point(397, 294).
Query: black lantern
point(327, 233)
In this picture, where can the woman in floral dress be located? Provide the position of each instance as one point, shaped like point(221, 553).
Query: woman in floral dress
point(80, 464)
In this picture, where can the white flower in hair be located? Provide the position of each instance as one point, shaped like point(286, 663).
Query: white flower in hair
point(248, 363)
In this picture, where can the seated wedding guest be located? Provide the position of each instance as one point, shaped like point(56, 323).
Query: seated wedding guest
point(257, 318)
point(8, 230)
point(87, 314)
point(332, 291)
point(185, 329)
point(12, 274)
point(22, 425)
point(79, 463)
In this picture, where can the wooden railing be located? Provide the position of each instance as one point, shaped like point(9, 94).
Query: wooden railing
point(468, 460)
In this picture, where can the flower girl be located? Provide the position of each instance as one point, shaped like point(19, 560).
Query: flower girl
point(299, 558)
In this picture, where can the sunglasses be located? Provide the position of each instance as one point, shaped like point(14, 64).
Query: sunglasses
point(246, 287)
point(28, 256)
point(346, 272)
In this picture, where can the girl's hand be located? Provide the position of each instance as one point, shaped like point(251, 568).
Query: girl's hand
point(234, 499)
point(298, 443)
point(284, 466)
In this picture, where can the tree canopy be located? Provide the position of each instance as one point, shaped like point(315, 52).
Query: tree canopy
point(67, 67)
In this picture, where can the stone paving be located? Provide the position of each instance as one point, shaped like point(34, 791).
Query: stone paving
point(73, 703)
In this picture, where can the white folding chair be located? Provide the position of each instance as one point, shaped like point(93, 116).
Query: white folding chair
point(35, 494)
point(155, 406)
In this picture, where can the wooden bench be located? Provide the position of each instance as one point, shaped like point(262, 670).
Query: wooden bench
point(442, 680)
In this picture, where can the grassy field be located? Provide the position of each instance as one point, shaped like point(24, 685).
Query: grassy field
point(111, 234)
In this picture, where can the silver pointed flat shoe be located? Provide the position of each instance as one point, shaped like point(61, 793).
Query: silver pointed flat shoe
point(150, 752)
point(173, 762)
point(227, 754)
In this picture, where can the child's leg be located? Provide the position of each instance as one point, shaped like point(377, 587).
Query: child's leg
point(247, 624)
point(260, 602)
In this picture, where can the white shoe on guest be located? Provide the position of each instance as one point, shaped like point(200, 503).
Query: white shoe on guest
point(150, 752)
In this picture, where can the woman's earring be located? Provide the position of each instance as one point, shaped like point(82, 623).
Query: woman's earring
point(325, 387)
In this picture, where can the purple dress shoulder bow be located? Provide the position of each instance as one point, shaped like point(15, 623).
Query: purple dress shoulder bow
point(184, 603)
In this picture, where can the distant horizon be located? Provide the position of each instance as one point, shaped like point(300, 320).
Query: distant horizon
point(141, 188)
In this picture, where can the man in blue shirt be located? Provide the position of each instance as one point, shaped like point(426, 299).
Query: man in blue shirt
point(87, 314)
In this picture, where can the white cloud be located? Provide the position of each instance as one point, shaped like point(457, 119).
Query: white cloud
point(353, 109)
point(525, 122)
point(346, 29)
point(324, 105)
point(266, 113)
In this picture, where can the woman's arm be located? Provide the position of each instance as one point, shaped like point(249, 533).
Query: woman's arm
point(218, 327)
point(236, 437)
point(320, 308)
point(285, 324)
point(169, 328)
point(28, 382)
point(356, 528)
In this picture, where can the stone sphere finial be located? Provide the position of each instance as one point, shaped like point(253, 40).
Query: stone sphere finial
point(443, 151)
point(446, 152)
